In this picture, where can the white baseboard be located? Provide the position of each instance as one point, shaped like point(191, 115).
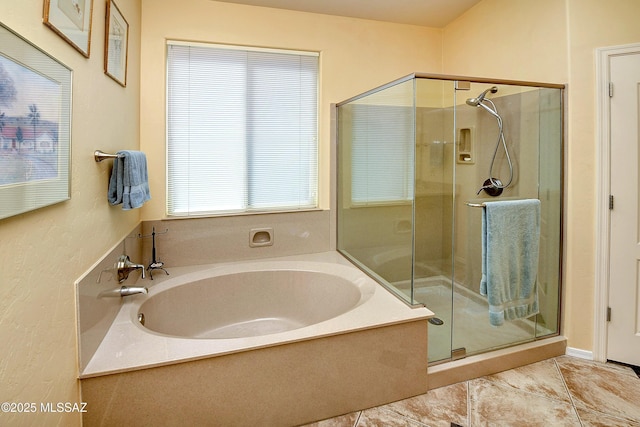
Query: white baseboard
point(582, 354)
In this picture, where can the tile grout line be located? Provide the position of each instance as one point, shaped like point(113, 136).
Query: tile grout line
point(505, 386)
point(566, 387)
point(355, 424)
point(403, 416)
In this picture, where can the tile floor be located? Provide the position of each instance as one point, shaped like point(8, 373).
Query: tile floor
point(563, 391)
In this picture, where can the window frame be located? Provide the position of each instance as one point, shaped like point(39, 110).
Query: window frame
point(314, 160)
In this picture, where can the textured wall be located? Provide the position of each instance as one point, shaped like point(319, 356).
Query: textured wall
point(553, 41)
point(591, 24)
point(356, 55)
point(44, 251)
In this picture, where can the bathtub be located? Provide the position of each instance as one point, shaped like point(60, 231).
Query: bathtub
point(252, 300)
point(283, 330)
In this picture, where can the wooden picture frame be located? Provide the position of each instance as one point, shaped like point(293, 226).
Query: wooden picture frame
point(71, 20)
point(35, 127)
point(116, 45)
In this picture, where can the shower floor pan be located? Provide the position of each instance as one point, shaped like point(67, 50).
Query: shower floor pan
point(472, 330)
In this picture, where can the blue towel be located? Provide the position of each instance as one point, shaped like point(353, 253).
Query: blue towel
point(129, 183)
point(510, 251)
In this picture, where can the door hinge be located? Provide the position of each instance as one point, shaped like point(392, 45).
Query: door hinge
point(610, 89)
point(608, 314)
point(610, 201)
point(458, 353)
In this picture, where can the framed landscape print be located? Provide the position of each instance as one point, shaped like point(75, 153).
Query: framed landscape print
point(35, 127)
point(116, 44)
point(71, 20)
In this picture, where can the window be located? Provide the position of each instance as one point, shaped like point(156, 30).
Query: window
point(241, 129)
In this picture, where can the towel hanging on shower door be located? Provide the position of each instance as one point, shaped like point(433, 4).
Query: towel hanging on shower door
point(510, 252)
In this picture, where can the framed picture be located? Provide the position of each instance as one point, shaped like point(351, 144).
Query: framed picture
point(116, 44)
point(71, 19)
point(35, 127)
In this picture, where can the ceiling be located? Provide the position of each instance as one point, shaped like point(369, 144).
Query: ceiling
point(429, 13)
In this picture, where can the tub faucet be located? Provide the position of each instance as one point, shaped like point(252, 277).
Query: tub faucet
point(123, 291)
point(125, 266)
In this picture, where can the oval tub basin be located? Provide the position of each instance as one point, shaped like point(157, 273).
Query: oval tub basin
point(251, 303)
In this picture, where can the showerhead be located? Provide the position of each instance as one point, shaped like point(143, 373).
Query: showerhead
point(474, 102)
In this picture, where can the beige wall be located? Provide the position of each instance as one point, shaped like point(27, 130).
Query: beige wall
point(43, 252)
point(591, 24)
point(507, 39)
point(553, 41)
point(356, 55)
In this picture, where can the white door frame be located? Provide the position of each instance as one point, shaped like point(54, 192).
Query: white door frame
point(603, 102)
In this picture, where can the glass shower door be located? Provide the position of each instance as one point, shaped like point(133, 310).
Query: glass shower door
point(532, 171)
point(433, 209)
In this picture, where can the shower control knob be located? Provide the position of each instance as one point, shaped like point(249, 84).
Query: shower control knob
point(492, 187)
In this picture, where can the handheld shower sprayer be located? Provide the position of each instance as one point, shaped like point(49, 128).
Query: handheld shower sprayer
point(493, 186)
point(474, 102)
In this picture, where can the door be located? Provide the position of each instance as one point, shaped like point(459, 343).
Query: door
point(623, 334)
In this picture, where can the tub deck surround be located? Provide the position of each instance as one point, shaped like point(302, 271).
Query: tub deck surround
point(371, 351)
point(283, 385)
point(96, 315)
point(129, 346)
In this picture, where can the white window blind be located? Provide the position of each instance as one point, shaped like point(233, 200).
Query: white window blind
point(241, 129)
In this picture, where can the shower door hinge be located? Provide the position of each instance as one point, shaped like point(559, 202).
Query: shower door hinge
point(608, 314)
point(610, 201)
point(610, 89)
point(462, 85)
point(458, 353)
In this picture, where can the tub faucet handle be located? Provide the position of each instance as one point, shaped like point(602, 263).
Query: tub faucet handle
point(125, 266)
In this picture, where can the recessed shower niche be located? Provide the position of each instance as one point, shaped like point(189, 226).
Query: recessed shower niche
point(428, 151)
point(465, 142)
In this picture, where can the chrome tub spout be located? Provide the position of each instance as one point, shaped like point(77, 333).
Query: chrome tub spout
point(123, 291)
point(132, 290)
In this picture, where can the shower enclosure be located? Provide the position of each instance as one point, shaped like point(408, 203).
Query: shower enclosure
point(417, 158)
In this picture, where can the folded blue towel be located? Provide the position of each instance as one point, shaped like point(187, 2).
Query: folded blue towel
point(510, 246)
point(129, 183)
